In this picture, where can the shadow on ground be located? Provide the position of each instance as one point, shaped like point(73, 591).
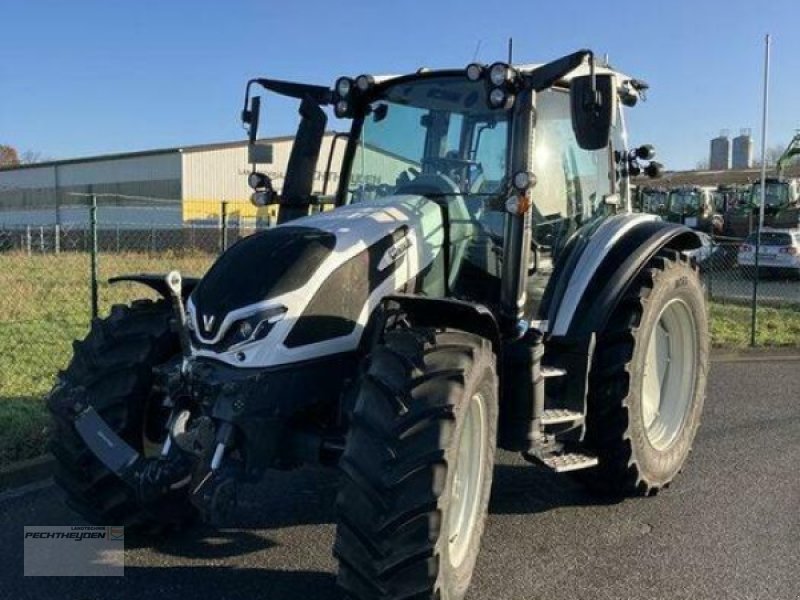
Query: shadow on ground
point(230, 561)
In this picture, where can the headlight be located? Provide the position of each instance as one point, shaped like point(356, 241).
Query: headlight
point(499, 98)
point(500, 74)
point(474, 71)
point(364, 82)
point(252, 328)
point(523, 180)
point(341, 109)
point(343, 86)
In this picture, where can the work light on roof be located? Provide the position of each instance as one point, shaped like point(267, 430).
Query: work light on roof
point(343, 87)
point(500, 74)
point(364, 82)
point(474, 71)
point(342, 108)
point(500, 98)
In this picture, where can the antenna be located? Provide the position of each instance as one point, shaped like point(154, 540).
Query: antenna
point(477, 49)
point(510, 50)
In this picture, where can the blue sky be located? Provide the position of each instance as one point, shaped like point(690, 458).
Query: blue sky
point(88, 77)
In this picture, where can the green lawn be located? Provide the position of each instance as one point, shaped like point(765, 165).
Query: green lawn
point(776, 327)
point(45, 305)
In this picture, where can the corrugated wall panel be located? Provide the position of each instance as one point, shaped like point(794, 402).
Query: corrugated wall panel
point(157, 167)
point(210, 177)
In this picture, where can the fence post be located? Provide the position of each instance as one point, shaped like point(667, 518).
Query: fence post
point(764, 116)
point(41, 239)
point(28, 239)
point(57, 238)
point(93, 235)
point(224, 224)
point(710, 265)
point(118, 247)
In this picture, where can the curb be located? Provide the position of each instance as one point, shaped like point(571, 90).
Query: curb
point(26, 472)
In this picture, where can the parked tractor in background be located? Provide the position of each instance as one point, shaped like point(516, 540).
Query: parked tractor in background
point(480, 283)
point(781, 208)
point(729, 197)
point(652, 200)
point(695, 207)
point(781, 199)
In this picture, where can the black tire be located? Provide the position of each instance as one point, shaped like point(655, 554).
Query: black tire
point(112, 370)
point(629, 463)
point(399, 465)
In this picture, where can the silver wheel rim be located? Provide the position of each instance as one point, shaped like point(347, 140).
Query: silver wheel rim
point(669, 374)
point(465, 491)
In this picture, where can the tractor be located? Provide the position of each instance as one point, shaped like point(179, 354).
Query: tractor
point(477, 281)
point(695, 207)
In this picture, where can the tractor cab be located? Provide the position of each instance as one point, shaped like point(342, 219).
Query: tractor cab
point(779, 194)
point(652, 200)
point(729, 198)
point(517, 158)
point(693, 206)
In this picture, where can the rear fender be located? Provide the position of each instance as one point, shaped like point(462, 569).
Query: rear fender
point(590, 279)
point(598, 266)
point(157, 283)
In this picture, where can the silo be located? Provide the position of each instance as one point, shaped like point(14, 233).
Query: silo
point(743, 150)
point(720, 158)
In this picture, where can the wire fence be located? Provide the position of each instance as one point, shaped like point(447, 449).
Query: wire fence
point(55, 264)
point(753, 302)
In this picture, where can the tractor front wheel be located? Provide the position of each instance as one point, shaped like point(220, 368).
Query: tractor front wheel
point(418, 467)
point(112, 370)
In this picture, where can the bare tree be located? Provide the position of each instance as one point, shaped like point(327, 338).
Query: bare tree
point(29, 157)
point(774, 152)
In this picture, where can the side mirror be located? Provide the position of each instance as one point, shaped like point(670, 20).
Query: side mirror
point(250, 118)
point(593, 103)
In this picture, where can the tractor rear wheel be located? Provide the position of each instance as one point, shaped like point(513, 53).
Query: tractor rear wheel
point(648, 380)
point(418, 467)
point(112, 370)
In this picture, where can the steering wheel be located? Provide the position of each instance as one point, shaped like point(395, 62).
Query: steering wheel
point(429, 183)
point(464, 172)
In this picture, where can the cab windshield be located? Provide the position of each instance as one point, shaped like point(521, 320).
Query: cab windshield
point(653, 201)
point(684, 202)
point(433, 136)
point(776, 196)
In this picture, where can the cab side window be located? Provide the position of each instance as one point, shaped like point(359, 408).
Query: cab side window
point(572, 183)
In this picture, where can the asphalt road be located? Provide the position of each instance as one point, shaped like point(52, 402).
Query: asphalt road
point(729, 528)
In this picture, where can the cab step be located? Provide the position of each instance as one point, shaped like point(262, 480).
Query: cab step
point(561, 416)
point(570, 461)
point(548, 372)
point(562, 461)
